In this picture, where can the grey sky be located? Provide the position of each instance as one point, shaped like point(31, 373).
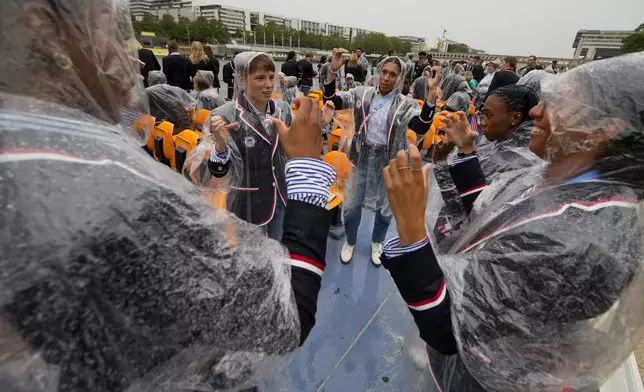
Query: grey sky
point(543, 28)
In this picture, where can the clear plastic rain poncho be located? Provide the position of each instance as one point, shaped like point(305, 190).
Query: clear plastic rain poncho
point(419, 89)
point(288, 87)
point(380, 132)
point(117, 275)
point(508, 153)
point(533, 80)
point(169, 103)
point(250, 180)
point(456, 92)
point(546, 283)
point(209, 98)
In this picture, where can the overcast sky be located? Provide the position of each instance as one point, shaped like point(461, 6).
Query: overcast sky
point(543, 28)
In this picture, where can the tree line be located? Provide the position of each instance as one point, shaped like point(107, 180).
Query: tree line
point(635, 41)
point(209, 31)
point(212, 31)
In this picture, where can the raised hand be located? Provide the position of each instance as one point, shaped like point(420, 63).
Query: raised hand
point(407, 193)
point(460, 132)
point(327, 113)
point(336, 62)
point(442, 150)
point(220, 131)
point(434, 81)
point(303, 138)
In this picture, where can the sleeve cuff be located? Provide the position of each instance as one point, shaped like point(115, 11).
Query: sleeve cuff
point(393, 249)
point(220, 157)
point(465, 158)
point(308, 180)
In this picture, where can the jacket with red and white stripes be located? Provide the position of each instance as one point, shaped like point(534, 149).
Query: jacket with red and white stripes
point(528, 283)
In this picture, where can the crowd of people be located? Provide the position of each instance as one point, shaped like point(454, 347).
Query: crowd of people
point(519, 249)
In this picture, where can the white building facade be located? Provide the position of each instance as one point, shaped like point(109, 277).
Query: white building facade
point(175, 8)
point(139, 8)
point(596, 44)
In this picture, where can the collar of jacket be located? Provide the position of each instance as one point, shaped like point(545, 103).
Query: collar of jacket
point(251, 116)
point(518, 136)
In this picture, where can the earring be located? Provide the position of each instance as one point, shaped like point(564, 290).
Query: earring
point(62, 61)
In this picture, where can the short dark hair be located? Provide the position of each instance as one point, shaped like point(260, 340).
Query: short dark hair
point(511, 60)
point(391, 52)
point(261, 62)
point(422, 53)
point(291, 55)
point(477, 58)
point(360, 49)
point(517, 98)
point(173, 46)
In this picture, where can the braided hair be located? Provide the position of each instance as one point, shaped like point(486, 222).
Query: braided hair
point(517, 98)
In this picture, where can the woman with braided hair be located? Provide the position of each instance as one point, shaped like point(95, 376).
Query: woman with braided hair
point(507, 127)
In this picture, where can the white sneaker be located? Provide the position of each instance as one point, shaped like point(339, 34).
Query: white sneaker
point(347, 253)
point(376, 251)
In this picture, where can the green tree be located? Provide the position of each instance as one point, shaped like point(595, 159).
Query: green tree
point(149, 23)
point(635, 41)
point(182, 31)
point(135, 26)
point(218, 31)
point(458, 48)
point(167, 25)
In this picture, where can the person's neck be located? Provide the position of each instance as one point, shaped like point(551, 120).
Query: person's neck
point(383, 93)
point(569, 167)
point(261, 106)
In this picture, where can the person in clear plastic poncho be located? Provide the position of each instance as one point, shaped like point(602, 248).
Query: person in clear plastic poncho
point(419, 86)
point(117, 275)
point(382, 116)
point(507, 127)
point(205, 95)
point(168, 103)
point(288, 88)
point(247, 151)
point(543, 290)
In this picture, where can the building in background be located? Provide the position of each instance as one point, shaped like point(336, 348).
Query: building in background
point(308, 26)
point(175, 8)
point(417, 43)
point(241, 19)
point(262, 18)
point(598, 44)
point(233, 18)
point(139, 8)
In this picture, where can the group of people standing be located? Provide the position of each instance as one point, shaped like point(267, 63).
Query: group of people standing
point(184, 83)
point(118, 275)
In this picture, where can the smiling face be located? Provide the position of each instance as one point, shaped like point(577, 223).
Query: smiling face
point(541, 131)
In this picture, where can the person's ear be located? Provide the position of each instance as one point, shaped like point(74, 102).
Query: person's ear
point(516, 118)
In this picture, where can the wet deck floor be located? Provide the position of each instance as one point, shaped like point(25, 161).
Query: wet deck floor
point(358, 340)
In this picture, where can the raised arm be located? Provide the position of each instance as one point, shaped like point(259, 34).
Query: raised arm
point(340, 100)
point(423, 121)
point(466, 169)
point(410, 258)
